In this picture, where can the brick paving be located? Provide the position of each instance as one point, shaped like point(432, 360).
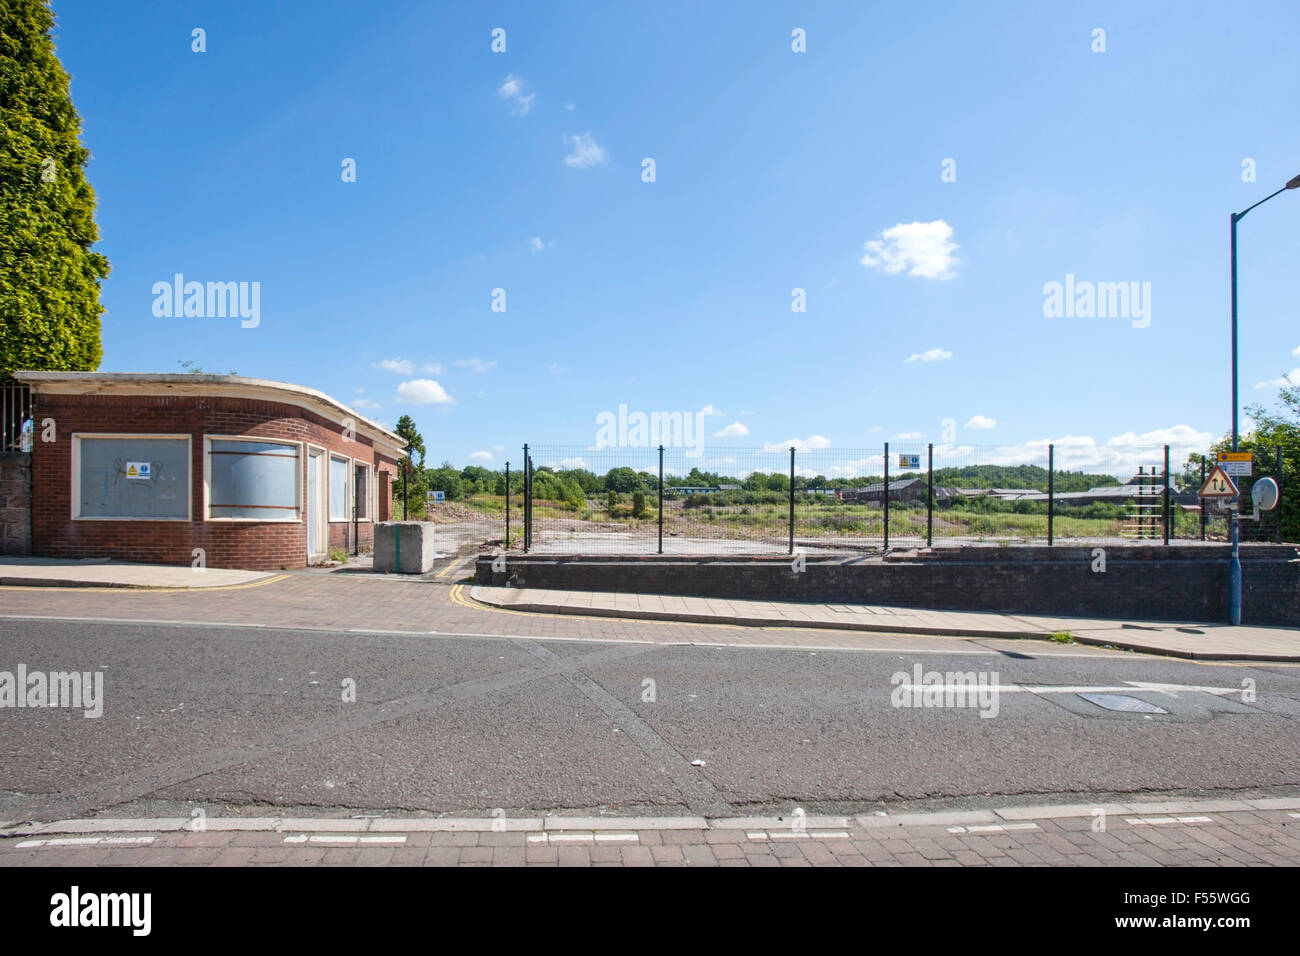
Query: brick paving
point(1257, 837)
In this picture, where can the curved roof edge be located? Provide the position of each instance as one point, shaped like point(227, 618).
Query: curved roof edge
point(234, 386)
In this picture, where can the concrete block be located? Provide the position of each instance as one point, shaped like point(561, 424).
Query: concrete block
point(414, 541)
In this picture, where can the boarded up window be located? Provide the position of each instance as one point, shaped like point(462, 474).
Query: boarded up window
point(133, 477)
point(252, 479)
point(339, 490)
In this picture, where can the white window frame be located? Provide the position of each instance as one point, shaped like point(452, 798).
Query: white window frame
point(329, 487)
point(207, 480)
point(370, 487)
point(75, 504)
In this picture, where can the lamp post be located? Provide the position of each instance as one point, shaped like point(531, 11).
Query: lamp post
point(1234, 566)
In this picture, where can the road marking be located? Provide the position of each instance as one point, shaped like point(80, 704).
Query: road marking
point(455, 562)
point(1129, 687)
point(763, 835)
point(346, 840)
point(82, 841)
point(549, 838)
point(993, 827)
point(1163, 821)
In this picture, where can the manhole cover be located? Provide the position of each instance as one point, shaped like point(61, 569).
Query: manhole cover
point(1120, 702)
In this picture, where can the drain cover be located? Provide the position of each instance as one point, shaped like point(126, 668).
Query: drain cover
point(1129, 705)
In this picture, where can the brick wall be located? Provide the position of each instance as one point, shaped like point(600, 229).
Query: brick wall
point(1141, 582)
point(15, 503)
point(253, 545)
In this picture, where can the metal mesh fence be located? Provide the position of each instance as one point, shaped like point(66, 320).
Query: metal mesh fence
point(580, 499)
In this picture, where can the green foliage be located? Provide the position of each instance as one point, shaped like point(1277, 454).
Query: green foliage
point(49, 283)
point(446, 479)
point(412, 469)
point(612, 503)
point(625, 481)
point(1274, 429)
point(638, 504)
point(194, 369)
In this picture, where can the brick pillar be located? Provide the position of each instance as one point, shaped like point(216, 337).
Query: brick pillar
point(15, 502)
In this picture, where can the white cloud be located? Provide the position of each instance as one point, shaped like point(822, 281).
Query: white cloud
point(710, 410)
point(1293, 375)
point(982, 422)
point(480, 456)
point(1296, 351)
point(932, 355)
point(1120, 455)
point(812, 443)
point(398, 365)
point(567, 463)
point(586, 152)
point(734, 430)
point(537, 243)
point(924, 249)
point(475, 365)
point(512, 91)
point(424, 391)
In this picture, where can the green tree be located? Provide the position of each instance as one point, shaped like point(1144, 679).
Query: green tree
point(638, 504)
point(623, 480)
point(1273, 430)
point(49, 285)
point(413, 469)
point(445, 479)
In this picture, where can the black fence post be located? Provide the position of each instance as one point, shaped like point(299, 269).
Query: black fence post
point(507, 506)
point(1278, 450)
point(1201, 501)
point(528, 500)
point(886, 499)
point(405, 467)
point(791, 499)
point(1168, 510)
point(929, 496)
point(1051, 493)
point(661, 499)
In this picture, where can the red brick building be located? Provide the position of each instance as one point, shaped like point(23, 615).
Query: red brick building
point(180, 468)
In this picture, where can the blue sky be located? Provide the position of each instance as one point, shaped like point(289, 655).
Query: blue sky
point(774, 171)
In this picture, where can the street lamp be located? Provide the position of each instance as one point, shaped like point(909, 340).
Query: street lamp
point(1234, 566)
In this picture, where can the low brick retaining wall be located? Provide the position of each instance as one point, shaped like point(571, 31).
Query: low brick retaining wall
point(1143, 582)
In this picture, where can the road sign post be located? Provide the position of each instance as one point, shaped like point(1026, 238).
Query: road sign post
point(1221, 486)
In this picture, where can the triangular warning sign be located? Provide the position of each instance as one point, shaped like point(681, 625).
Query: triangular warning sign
point(130, 471)
point(1218, 485)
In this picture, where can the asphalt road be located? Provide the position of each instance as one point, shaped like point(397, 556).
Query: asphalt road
point(238, 718)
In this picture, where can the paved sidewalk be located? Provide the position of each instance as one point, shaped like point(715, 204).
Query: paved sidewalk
point(1259, 832)
point(104, 573)
point(1198, 641)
